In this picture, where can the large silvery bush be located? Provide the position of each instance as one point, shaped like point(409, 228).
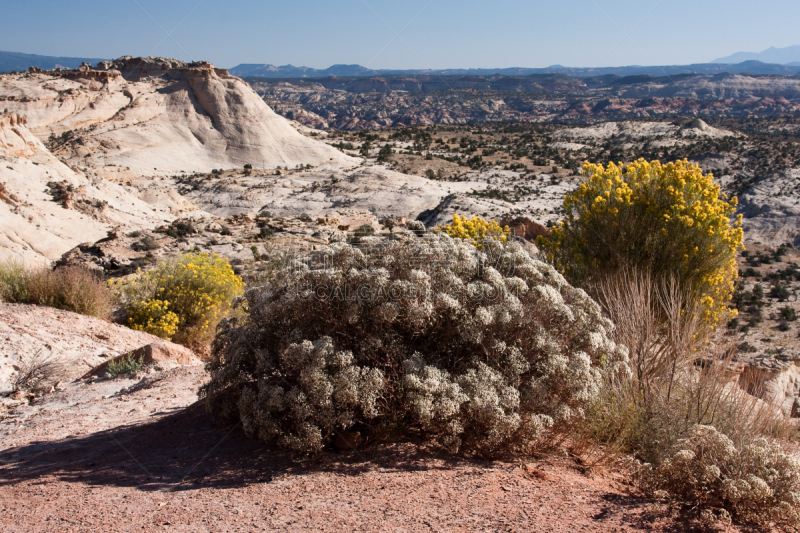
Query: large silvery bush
point(478, 349)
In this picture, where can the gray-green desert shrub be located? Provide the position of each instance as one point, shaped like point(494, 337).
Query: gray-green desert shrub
point(756, 483)
point(127, 365)
point(479, 350)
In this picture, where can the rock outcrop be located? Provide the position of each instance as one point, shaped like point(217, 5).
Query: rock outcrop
point(73, 343)
point(15, 138)
point(47, 208)
point(524, 228)
point(771, 209)
point(155, 352)
point(775, 381)
point(157, 116)
point(373, 188)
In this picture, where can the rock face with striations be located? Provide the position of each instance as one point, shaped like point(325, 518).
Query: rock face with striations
point(775, 381)
point(15, 138)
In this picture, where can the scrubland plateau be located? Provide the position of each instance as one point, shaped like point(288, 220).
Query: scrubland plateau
point(362, 368)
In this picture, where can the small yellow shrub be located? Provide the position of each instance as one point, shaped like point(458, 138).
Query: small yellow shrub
point(182, 298)
point(154, 317)
point(475, 230)
point(668, 219)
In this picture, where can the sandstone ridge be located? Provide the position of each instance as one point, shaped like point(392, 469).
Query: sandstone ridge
point(156, 116)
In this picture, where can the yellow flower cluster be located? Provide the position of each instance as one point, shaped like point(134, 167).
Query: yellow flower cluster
point(197, 288)
point(475, 230)
point(669, 218)
point(154, 317)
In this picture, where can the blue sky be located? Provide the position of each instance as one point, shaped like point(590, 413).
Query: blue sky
point(403, 34)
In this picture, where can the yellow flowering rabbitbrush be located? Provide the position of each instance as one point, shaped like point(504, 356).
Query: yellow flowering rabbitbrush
point(154, 317)
point(183, 298)
point(670, 219)
point(475, 230)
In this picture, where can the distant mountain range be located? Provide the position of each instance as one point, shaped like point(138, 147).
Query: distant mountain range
point(15, 61)
point(290, 71)
point(779, 56)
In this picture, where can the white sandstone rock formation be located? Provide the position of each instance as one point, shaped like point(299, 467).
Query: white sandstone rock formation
point(159, 116)
point(126, 122)
point(775, 381)
point(46, 208)
point(657, 134)
point(374, 189)
point(771, 209)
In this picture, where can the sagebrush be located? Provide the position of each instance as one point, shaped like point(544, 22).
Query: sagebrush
point(480, 350)
point(757, 482)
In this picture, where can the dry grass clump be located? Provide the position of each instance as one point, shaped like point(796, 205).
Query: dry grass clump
point(479, 350)
point(39, 373)
point(680, 378)
point(755, 483)
point(70, 288)
point(684, 413)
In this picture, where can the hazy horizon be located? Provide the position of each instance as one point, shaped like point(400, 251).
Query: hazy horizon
point(416, 34)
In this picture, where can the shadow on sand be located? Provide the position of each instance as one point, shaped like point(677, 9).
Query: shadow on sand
point(186, 450)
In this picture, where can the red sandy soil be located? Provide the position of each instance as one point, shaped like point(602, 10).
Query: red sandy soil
point(93, 458)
